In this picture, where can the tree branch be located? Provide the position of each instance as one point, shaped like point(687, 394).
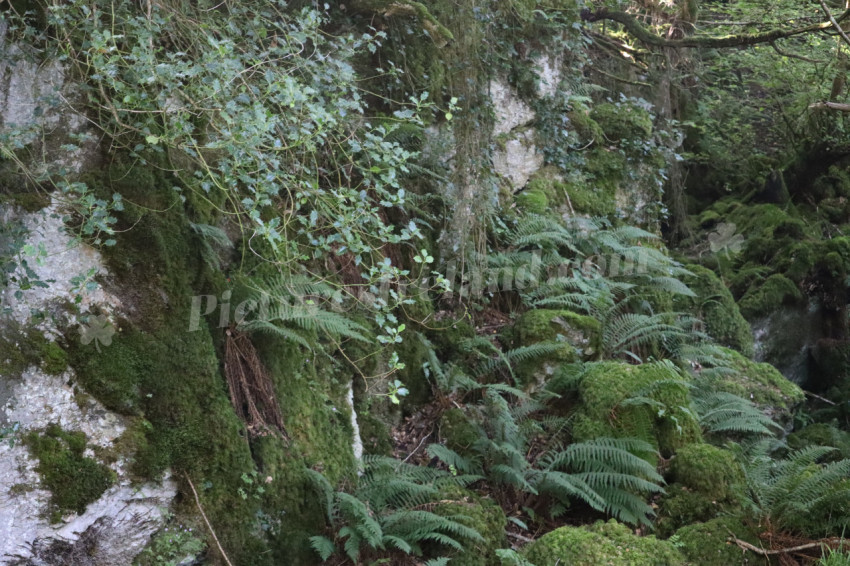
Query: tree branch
point(830, 105)
point(643, 35)
point(834, 23)
point(793, 55)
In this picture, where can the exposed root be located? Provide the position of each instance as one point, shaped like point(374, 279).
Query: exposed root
point(251, 388)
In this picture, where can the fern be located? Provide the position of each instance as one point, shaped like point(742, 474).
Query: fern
point(797, 492)
point(292, 308)
point(383, 514)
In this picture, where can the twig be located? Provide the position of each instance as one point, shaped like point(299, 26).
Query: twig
point(793, 56)
point(424, 438)
point(519, 537)
point(620, 79)
point(834, 22)
point(204, 515)
point(824, 399)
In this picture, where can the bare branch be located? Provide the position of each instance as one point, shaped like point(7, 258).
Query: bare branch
point(834, 23)
point(643, 35)
point(794, 56)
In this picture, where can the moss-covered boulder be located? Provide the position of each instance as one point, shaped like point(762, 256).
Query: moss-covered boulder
point(764, 298)
point(680, 506)
point(576, 336)
point(716, 307)
point(707, 544)
point(614, 402)
point(762, 384)
point(581, 333)
point(822, 434)
point(707, 469)
point(482, 514)
point(457, 430)
point(601, 543)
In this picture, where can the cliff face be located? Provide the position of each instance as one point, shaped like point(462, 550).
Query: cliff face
point(252, 253)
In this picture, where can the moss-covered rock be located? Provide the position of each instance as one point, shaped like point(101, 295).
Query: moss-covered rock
point(73, 479)
point(762, 384)
point(681, 506)
point(20, 349)
point(457, 430)
point(707, 544)
point(581, 332)
point(822, 434)
point(483, 515)
point(577, 335)
point(777, 290)
point(622, 121)
point(717, 309)
point(601, 543)
point(603, 411)
point(708, 470)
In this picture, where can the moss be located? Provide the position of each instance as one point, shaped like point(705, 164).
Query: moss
point(709, 470)
point(621, 121)
point(73, 479)
point(680, 506)
point(762, 384)
point(707, 543)
point(777, 290)
point(715, 306)
point(458, 432)
point(533, 201)
point(483, 515)
point(601, 412)
point(30, 201)
point(546, 325)
point(20, 349)
point(822, 434)
point(601, 543)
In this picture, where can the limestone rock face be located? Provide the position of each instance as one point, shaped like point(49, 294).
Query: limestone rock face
point(113, 529)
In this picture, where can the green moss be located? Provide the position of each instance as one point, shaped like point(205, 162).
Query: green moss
point(458, 432)
point(622, 121)
point(777, 290)
point(601, 411)
point(20, 349)
point(483, 515)
point(707, 543)
point(73, 479)
point(715, 306)
point(762, 384)
point(549, 325)
point(601, 543)
point(822, 434)
point(708, 470)
point(533, 201)
point(680, 506)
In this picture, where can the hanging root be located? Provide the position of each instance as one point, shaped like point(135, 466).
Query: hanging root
point(251, 388)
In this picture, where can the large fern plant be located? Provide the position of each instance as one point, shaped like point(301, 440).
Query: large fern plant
point(798, 493)
point(386, 514)
point(521, 453)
